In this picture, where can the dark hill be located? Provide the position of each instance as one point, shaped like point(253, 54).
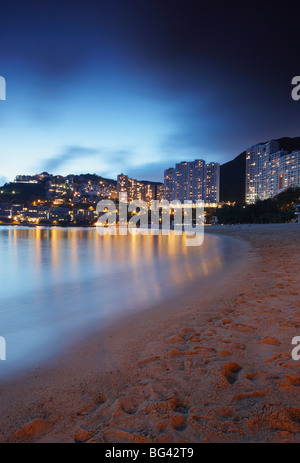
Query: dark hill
point(232, 179)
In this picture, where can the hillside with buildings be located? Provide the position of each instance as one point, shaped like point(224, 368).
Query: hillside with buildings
point(260, 173)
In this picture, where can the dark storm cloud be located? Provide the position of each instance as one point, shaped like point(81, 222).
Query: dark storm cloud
point(224, 67)
point(164, 36)
point(53, 37)
point(70, 154)
point(237, 59)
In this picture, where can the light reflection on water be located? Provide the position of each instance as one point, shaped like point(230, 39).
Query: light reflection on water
point(55, 281)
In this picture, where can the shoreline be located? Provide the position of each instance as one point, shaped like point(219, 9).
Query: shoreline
point(203, 374)
point(48, 225)
point(166, 278)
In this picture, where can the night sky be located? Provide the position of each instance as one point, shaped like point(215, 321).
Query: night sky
point(134, 86)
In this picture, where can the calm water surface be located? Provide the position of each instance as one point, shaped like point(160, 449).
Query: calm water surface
point(54, 282)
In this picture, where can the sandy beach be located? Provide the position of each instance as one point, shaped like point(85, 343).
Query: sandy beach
point(218, 370)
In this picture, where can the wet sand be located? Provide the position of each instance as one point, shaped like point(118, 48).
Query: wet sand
point(217, 370)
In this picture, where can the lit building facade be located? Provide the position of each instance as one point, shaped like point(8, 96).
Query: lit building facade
point(138, 190)
point(193, 181)
point(168, 184)
point(199, 177)
point(212, 183)
point(270, 170)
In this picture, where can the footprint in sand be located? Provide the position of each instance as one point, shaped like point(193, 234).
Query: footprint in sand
point(127, 405)
point(100, 400)
point(230, 371)
point(269, 340)
point(178, 422)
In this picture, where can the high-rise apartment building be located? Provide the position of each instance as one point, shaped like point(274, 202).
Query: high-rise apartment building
point(270, 170)
point(194, 181)
point(198, 180)
point(184, 181)
point(168, 184)
point(212, 183)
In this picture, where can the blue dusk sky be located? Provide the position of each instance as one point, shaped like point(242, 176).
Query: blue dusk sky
point(134, 86)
